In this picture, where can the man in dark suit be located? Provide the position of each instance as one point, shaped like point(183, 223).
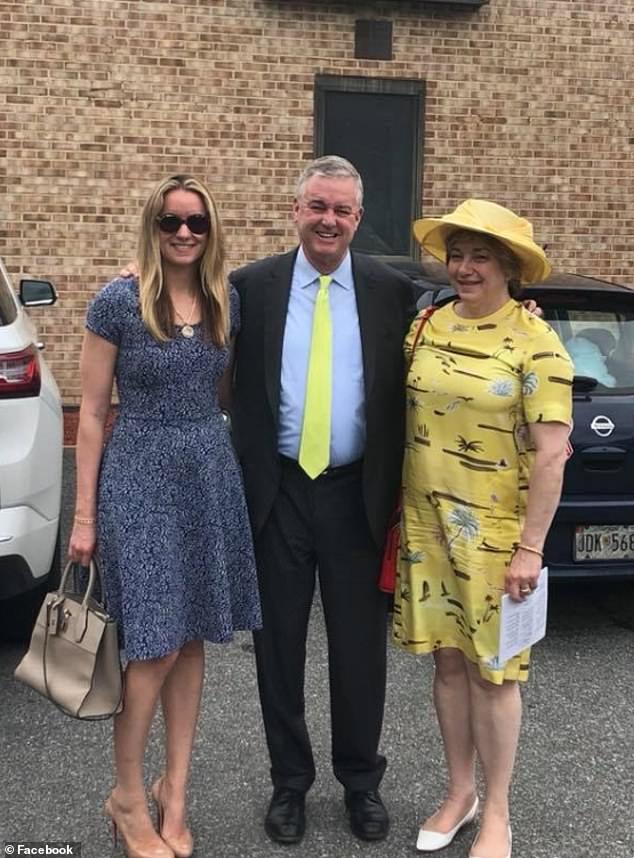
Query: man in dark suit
point(327, 514)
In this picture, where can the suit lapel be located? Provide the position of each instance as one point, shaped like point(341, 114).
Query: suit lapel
point(278, 288)
point(365, 290)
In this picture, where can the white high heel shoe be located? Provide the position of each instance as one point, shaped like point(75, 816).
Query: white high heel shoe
point(508, 854)
point(430, 841)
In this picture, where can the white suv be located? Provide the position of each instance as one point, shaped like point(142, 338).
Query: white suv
point(31, 442)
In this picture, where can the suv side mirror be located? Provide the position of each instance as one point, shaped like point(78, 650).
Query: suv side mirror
point(37, 293)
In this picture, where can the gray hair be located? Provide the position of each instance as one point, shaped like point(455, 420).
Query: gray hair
point(329, 166)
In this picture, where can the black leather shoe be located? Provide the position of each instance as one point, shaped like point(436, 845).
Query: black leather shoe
point(368, 816)
point(286, 818)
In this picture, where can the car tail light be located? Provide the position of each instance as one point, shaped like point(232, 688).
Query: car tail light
point(20, 373)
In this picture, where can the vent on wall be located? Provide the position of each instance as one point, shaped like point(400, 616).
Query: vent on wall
point(372, 40)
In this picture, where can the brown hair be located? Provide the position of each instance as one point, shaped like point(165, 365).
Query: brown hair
point(511, 265)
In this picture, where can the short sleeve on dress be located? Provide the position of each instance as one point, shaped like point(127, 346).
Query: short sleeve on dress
point(106, 311)
point(547, 381)
point(234, 311)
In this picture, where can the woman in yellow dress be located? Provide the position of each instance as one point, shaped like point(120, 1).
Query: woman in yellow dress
point(488, 417)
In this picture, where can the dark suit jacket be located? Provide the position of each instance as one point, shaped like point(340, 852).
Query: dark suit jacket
point(385, 304)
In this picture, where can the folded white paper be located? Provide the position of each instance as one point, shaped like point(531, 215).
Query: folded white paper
point(523, 623)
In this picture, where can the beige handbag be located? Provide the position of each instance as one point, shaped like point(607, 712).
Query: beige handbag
point(73, 657)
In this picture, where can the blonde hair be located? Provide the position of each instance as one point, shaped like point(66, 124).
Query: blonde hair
point(156, 307)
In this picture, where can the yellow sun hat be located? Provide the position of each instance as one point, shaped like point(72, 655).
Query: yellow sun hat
point(491, 219)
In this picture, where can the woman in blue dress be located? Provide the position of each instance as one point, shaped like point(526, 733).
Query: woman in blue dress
point(162, 502)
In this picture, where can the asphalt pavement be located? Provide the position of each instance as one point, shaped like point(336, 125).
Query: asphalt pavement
point(572, 794)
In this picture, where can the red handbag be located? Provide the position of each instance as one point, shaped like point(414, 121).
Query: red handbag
point(387, 575)
point(389, 561)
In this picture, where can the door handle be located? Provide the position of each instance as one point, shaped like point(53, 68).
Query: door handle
point(603, 458)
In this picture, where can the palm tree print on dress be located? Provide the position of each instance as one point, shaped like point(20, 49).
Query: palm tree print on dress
point(413, 402)
point(530, 383)
point(412, 556)
point(502, 387)
point(472, 462)
point(465, 446)
point(466, 523)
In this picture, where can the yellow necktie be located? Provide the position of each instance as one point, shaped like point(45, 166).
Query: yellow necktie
point(314, 447)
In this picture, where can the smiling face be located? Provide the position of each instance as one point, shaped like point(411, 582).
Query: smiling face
point(327, 214)
point(182, 248)
point(477, 273)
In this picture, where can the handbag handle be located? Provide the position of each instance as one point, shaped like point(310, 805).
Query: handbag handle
point(93, 576)
point(424, 316)
point(56, 605)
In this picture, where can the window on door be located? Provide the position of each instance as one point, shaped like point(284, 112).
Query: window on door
point(376, 123)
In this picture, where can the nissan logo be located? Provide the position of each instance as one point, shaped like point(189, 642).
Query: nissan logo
point(602, 425)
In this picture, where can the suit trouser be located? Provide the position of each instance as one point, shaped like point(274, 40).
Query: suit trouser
point(321, 524)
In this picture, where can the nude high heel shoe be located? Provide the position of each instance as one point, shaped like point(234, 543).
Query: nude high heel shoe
point(183, 846)
point(157, 849)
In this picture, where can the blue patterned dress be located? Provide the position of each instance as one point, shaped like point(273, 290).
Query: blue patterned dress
point(173, 530)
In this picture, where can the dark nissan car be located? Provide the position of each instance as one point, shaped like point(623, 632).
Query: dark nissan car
point(592, 535)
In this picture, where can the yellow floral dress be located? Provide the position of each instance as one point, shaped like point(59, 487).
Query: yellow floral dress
point(472, 388)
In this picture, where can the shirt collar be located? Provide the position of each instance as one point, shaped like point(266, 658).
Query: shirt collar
point(306, 274)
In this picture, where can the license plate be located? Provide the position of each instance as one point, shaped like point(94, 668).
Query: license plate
point(604, 542)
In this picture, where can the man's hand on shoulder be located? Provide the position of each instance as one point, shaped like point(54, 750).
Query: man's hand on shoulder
point(533, 307)
point(130, 269)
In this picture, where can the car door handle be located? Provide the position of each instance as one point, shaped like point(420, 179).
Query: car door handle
point(603, 458)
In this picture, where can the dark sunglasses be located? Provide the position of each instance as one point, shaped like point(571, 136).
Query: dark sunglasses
point(198, 224)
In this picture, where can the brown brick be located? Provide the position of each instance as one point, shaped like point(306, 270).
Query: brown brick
point(528, 103)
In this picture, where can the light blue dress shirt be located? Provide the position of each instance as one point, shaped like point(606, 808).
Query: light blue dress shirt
point(347, 430)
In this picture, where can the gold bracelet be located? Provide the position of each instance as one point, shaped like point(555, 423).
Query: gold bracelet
point(530, 549)
point(82, 520)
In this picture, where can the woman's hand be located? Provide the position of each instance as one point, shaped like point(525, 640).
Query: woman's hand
point(522, 575)
point(81, 546)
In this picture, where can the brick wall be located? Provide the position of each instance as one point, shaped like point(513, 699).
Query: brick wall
point(528, 103)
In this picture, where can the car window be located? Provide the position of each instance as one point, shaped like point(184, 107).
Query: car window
point(8, 310)
point(600, 342)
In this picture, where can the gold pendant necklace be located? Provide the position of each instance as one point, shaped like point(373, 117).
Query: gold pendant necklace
point(186, 329)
